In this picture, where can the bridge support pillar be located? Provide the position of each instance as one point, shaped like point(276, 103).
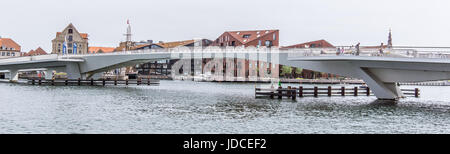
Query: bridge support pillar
point(382, 90)
point(73, 71)
point(13, 75)
point(49, 73)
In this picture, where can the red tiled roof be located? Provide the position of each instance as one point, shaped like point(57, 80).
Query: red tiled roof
point(174, 44)
point(9, 43)
point(313, 44)
point(84, 35)
point(38, 51)
point(252, 35)
point(104, 49)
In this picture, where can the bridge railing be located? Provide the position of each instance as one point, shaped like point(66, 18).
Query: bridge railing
point(405, 52)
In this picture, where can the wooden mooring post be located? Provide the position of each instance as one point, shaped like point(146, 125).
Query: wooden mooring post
point(300, 91)
point(294, 93)
point(342, 91)
point(280, 93)
point(416, 92)
point(288, 92)
point(329, 91)
point(355, 93)
point(316, 92)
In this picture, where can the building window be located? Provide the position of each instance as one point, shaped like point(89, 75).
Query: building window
point(70, 38)
point(259, 43)
point(233, 43)
point(59, 45)
point(69, 51)
point(268, 43)
point(70, 31)
point(3, 53)
point(8, 54)
point(13, 54)
point(246, 36)
point(274, 36)
point(69, 44)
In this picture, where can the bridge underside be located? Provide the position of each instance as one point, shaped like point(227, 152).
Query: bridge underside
point(72, 69)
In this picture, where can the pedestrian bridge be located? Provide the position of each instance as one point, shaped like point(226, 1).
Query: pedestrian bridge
point(380, 70)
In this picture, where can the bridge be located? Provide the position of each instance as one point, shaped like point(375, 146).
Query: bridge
point(381, 71)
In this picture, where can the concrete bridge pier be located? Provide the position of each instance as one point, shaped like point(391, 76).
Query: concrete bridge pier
point(13, 75)
point(383, 90)
point(73, 71)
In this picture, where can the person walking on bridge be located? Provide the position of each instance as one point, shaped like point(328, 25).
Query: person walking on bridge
point(381, 49)
point(357, 49)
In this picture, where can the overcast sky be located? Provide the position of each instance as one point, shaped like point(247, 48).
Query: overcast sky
point(33, 23)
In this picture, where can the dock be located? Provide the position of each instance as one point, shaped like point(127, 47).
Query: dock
point(293, 92)
point(91, 82)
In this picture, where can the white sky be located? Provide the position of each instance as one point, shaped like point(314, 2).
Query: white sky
point(33, 23)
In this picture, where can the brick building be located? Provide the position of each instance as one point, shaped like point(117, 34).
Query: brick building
point(9, 48)
point(255, 38)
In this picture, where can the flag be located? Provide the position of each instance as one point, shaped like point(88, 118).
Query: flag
point(74, 48)
point(64, 46)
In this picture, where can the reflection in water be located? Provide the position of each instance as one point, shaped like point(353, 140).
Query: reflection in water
point(203, 107)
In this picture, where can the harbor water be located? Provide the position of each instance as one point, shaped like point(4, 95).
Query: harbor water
point(207, 107)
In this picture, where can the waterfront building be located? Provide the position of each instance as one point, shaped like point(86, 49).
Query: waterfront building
point(70, 41)
point(37, 52)
point(9, 48)
point(256, 38)
point(162, 68)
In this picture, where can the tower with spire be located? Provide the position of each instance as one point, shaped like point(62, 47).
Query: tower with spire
point(128, 35)
point(390, 39)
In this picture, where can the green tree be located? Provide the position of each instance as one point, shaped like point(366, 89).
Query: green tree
point(286, 70)
point(298, 71)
